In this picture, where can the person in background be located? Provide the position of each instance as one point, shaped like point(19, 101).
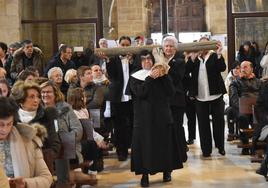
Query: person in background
point(55, 74)
point(103, 43)
point(139, 40)
point(3, 73)
point(3, 54)
point(27, 56)
point(20, 150)
point(247, 85)
point(175, 60)
point(71, 76)
point(61, 60)
point(27, 75)
point(4, 88)
point(119, 69)
point(91, 149)
point(258, 57)
point(246, 53)
point(208, 88)
point(264, 63)
point(78, 57)
point(31, 111)
point(154, 146)
point(230, 111)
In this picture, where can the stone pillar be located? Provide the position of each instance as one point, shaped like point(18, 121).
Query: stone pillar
point(10, 21)
point(132, 17)
point(216, 16)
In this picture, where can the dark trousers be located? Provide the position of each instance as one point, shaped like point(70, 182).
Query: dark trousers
point(203, 110)
point(177, 114)
point(191, 118)
point(232, 116)
point(123, 123)
point(243, 122)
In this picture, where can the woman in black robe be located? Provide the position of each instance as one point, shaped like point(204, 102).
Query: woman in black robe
point(154, 148)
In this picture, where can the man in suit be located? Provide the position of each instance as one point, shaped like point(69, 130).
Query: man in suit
point(119, 69)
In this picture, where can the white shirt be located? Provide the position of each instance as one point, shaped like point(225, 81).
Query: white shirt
point(125, 67)
point(203, 87)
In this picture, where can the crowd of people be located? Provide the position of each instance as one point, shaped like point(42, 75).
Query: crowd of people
point(80, 104)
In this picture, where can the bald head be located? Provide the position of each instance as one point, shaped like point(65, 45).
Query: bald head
point(246, 69)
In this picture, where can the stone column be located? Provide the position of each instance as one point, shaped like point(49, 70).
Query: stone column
point(216, 16)
point(10, 21)
point(132, 17)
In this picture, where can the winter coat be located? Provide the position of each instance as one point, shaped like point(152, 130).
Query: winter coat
point(17, 65)
point(243, 87)
point(27, 158)
point(68, 122)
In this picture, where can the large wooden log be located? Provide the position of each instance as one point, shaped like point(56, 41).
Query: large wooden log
point(188, 47)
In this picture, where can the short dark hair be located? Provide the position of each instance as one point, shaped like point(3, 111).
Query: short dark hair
point(64, 47)
point(3, 46)
point(75, 97)
point(4, 81)
point(25, 73)
point(8, 108)
point(81, 71)
point(26, 42)
point(124, 38)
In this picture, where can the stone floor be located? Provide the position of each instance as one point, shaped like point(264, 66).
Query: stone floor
point(232, 171)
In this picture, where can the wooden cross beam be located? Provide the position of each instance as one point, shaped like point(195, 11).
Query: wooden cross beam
point(187, 47)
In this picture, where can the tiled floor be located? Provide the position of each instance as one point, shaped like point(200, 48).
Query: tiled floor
point(230, 171)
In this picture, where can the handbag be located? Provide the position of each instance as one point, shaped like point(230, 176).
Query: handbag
point(87, 125)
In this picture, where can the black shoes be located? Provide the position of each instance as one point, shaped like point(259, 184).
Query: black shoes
point(166, 176)
point(145, 180)
point(190, 142)
point(206, 155)
point(245, 151)
point(222, 152)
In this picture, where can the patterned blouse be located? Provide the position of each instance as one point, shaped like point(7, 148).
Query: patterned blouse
point(5, 158)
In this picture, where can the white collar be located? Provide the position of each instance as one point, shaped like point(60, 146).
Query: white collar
point(141, 74)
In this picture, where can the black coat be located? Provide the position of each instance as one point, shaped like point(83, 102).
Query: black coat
point(46, 118)
point(214, 66)
point(115, 76)
point(153, 145)
point(243, 87)
point(176, 73)
point(262, 105)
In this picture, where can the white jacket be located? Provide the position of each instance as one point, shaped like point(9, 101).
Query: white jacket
point(264, 65)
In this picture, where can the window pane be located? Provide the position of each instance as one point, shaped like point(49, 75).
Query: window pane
point(251, 29)
point(38, 10)
point(58, 9)
point(250, 5)
point(41, 35)
point(76, 34)
point(73, 9)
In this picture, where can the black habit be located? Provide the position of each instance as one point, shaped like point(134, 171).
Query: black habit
point(154, 147)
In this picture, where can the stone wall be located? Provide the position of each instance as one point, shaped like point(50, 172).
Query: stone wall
point(132, 17)
point(9, 21)
point(216, 16)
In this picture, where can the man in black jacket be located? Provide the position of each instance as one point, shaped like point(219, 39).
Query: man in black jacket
point(245, 86)
point(207, 87)
point(119, 69)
